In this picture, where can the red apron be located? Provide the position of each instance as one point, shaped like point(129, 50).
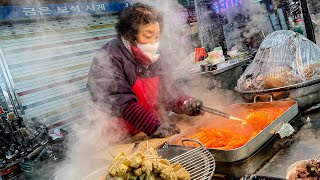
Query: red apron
point(147, 92)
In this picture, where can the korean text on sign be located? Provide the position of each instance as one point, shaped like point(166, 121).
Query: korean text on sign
point(35, 11)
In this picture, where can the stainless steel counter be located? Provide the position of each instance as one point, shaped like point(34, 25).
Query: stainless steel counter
point(305, 145)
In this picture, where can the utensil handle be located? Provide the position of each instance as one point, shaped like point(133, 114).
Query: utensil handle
point(214, 111)
point(269, 95)
point(192, 140)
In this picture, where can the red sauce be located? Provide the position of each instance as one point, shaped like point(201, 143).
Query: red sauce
point(227, 134)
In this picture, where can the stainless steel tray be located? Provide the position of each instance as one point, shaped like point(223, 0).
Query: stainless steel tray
point(306, 95)
point(254, 144)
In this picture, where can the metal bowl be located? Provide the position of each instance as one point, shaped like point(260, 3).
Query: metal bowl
point(306, 94)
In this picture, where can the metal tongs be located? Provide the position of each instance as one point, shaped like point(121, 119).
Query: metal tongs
point(222, 114)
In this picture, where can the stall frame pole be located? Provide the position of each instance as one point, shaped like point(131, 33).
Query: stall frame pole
point(307, 21)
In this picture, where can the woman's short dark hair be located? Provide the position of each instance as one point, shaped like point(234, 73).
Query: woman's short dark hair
point(134, 16)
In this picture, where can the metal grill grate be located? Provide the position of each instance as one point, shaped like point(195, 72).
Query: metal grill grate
point(198, 161)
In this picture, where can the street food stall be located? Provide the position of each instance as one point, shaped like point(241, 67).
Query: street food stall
point(244, 145)
point(238, 162)
point(258, 138)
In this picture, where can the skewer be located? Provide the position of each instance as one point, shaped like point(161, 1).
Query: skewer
point(144, 147)
point(135, 147)
point(102, 168)
point(264, 36)
point(316, 160)
point(110, 153)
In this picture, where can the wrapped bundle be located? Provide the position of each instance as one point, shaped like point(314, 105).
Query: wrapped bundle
point(284, 58)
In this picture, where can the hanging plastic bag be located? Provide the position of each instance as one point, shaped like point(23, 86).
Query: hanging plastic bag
point(284, 58)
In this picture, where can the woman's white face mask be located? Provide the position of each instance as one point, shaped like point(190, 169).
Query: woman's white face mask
point(150, 50)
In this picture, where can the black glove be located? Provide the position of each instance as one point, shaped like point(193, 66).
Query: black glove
point(166, 129)
point(192, 107)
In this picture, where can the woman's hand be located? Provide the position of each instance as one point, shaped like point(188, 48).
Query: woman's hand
point(192, 107)
point(166, 129)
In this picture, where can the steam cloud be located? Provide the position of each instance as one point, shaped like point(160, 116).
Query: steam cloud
point(256, 20)
point(237, 24)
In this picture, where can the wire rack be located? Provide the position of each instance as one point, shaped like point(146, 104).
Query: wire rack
point(198, 161)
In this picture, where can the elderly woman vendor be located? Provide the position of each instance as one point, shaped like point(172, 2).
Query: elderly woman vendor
point(127, 75)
